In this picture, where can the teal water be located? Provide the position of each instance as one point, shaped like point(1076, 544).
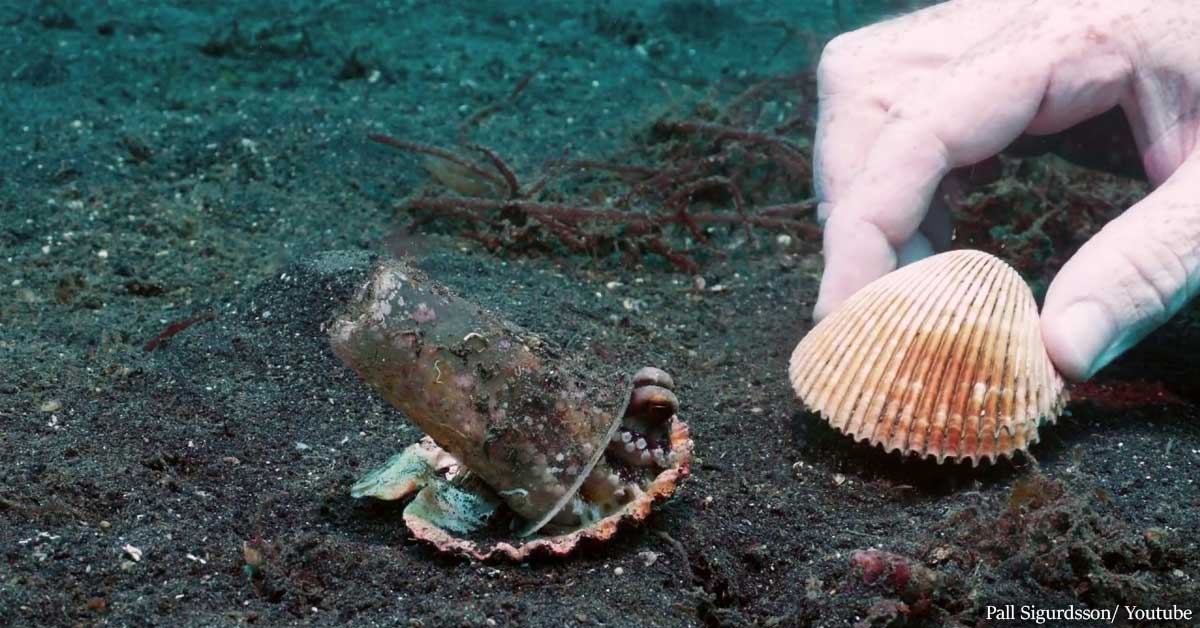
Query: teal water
point(177, 442)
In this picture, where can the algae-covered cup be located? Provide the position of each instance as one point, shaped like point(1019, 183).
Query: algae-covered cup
point(530, 423)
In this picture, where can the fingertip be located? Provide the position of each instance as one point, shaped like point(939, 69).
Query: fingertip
point(856, 253)
point(820, 310)
point(1079, 338)
point(825, 302)
point(830, 295)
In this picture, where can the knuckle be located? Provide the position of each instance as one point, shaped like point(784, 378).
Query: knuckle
point(1153, 278)
point(839, 60)
point(1147, 261)
point(1147, 296)
point(1173, 244)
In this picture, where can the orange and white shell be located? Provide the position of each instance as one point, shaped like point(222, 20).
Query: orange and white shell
point(942, 358)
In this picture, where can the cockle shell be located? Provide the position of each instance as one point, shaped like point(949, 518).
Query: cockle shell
point(942, 358)
point(659, 487)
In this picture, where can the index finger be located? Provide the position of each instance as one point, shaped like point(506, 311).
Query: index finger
point(956, 117)
point(862, 72)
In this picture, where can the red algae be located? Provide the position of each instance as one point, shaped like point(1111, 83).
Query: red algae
point(1125, 394)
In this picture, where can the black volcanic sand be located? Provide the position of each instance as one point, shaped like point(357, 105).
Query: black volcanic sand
point(199, 164)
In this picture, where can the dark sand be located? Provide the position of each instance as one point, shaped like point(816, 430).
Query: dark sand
point(192, 163)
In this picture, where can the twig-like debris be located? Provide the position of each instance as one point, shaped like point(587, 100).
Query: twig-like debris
point(671, 176)
point(175, 328)
point(621, 169)
point(681, 552)
point(742, 136)
point(440, 153)
point(510, 179)
point(586, 214)
point(756, 92)
point(480, 116)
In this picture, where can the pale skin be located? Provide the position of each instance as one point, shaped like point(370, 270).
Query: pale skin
point(904, 101)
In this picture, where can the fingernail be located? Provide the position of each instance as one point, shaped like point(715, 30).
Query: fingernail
point(827, 299)
point(818, 311)
point(1080, 340)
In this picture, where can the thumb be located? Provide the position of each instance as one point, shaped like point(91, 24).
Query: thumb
point(1131, 277)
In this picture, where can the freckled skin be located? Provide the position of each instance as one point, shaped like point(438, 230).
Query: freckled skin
point(902, 102)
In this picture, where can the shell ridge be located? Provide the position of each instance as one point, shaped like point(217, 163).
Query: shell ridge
point(1039, 402)
point(897, 368)
point(865, 357)
point(801, 365)
point(945, 316)
point(964, 381)
point(1036, 400)
point(936, 398)
point(832, 396)
point(869, 379)
point(916, 350)
point(989, 422)
point(834, 331)
point(960, 417)
point(1016, 429)
point(1023, 382)
point(974, 390)
point(1014, 361)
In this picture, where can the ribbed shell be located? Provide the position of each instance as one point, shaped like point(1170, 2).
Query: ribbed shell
point(942, 358)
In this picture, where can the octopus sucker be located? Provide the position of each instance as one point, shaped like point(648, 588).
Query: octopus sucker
point(945, 356)
point(528, 449)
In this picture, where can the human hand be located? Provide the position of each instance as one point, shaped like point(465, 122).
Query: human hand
point(902, 102)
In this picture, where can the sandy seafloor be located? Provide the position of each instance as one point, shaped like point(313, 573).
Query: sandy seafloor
point(164, 162)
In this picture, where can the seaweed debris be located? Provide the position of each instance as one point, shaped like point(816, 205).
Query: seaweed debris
point(742, 165)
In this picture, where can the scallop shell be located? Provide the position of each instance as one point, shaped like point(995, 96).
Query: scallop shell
point(942, 358)
point(660, 488)
point(530, 449)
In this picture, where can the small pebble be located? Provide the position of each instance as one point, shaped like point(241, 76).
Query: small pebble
point(619, 571)
point(52, 405)
point(133, 552)
point(104, 524)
